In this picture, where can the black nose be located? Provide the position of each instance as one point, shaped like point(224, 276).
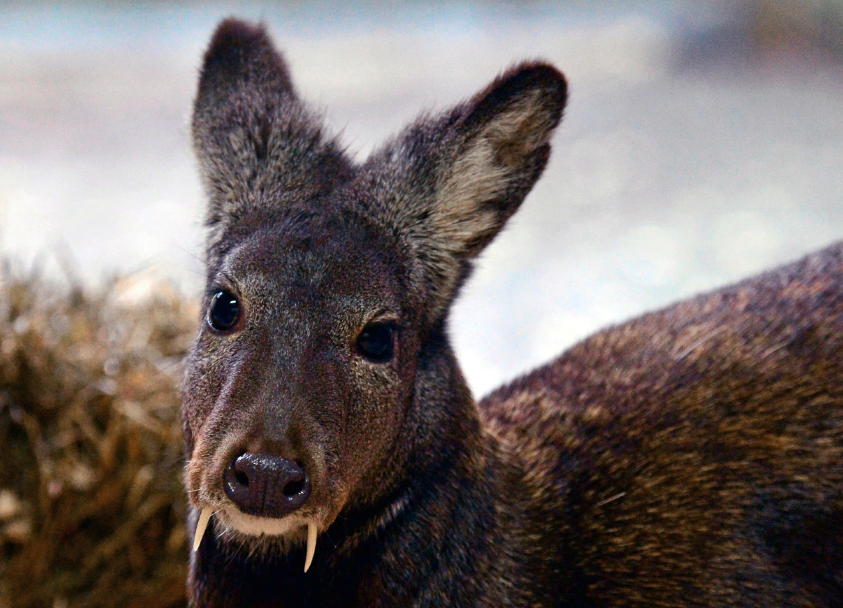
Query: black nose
point(266, 486)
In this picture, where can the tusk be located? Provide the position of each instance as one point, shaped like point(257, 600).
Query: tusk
point(311, 545)
point(201, 525)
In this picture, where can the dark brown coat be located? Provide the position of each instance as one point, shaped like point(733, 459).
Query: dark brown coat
point(691, 457)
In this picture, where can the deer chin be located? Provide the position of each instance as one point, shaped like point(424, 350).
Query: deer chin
point(285, 532)
point(286, 528)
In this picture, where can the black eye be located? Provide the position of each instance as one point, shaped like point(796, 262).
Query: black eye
point(377, 342)
point(224, 312)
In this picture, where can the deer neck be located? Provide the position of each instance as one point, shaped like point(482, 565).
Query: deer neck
point(462, 522)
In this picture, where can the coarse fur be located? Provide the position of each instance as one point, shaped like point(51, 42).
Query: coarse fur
point(691, 457)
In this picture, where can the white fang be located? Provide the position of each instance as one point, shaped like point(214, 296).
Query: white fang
point(201, 525)
point(311, 545)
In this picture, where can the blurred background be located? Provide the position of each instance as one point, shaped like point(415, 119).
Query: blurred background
point(703, 142)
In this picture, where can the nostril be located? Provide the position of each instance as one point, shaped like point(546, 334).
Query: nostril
point(293, 488)
point(236, 481)
point(241, 478)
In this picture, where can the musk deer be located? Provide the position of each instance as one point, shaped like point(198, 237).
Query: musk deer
point(691, 457)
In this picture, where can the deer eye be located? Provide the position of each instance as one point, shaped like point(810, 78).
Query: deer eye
point(224, 311)
point(376, 342)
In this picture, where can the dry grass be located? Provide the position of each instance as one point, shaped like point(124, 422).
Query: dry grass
point(91, 502)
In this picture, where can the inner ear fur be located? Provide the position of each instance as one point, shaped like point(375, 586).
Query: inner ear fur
point(448, 183)
point(503, 147)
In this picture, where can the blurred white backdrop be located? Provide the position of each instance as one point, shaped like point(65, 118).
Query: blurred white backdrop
point(703, 142)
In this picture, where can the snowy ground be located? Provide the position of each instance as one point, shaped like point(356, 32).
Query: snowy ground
point(687, 158)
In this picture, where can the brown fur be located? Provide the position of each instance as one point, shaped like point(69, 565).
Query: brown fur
point(691, 457)
point(705, 442)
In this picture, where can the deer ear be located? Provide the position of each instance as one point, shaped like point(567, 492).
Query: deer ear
point(258, 146)
point(241, 59)
point(503, 150)
point(502, 147)
point(453, 181)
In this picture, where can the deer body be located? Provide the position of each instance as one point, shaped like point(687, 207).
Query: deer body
point(688, 458)
point(699, 445)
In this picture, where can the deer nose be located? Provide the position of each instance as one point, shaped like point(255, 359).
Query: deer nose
point(265, 485)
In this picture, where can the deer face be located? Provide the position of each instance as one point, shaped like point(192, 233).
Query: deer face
point(329, 283)
point(301, 374)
